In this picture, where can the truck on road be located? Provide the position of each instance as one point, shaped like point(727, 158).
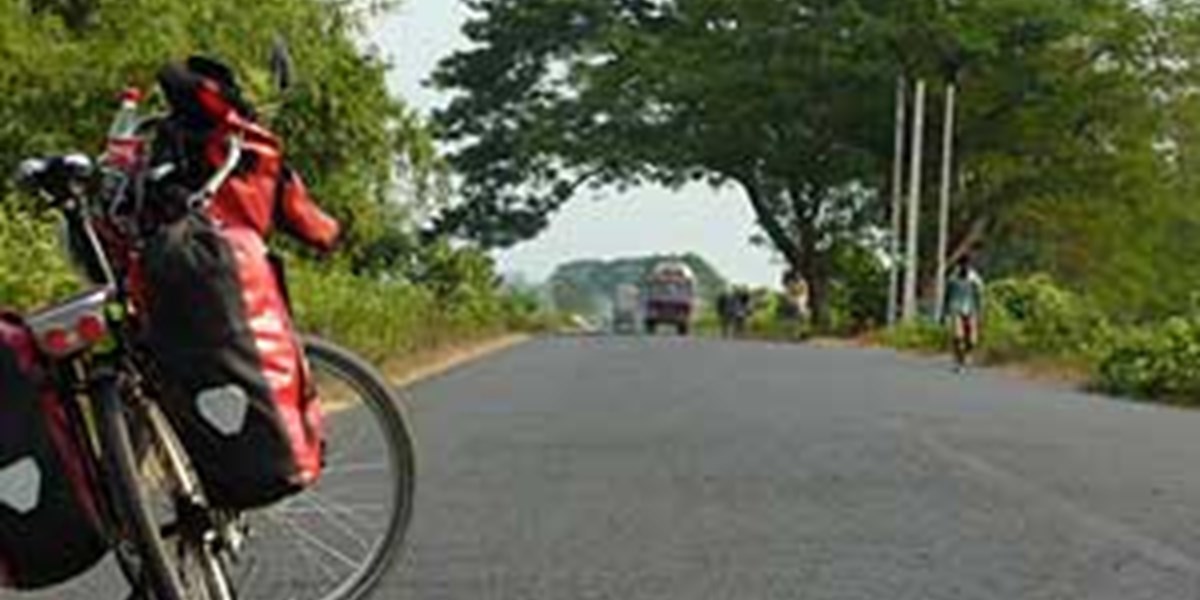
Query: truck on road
point(670, 291)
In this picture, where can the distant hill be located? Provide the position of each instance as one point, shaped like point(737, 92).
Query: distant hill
point(586, 287)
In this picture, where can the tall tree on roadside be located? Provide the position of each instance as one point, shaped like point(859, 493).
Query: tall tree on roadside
point(365, 154)
point(776, 96)
point(791, 101)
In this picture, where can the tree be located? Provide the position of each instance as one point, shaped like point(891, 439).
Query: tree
point(768, 94)
point(790, 100)
point(62, 63)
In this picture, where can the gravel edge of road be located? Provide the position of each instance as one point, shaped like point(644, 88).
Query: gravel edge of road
point(423, 367)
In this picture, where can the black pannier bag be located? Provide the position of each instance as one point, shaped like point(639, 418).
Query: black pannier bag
point(235, 381)
point(49, 521)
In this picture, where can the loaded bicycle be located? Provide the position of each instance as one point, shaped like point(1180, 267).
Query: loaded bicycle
point(132, 469)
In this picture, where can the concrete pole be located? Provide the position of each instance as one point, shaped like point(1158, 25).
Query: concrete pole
point(897, 200)
point(912, 270)
point(944, 200)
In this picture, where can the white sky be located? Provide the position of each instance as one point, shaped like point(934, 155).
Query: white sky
point(716, 225)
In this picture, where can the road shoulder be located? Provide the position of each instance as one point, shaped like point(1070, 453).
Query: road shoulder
point(430, 364)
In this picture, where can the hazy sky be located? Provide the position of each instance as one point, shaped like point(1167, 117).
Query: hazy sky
point(716, 225)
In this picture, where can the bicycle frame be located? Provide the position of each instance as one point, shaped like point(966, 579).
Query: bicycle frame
point(88, 344)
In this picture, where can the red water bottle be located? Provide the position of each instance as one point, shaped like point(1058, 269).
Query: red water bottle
point(124, 148)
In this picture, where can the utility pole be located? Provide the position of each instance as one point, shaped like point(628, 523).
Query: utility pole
point(897, 200)
point(944, 200)
point(912, 272)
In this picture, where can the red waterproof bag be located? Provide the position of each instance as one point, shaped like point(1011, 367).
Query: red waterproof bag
point(49, 524)
point(233, 369)
point(218, 323)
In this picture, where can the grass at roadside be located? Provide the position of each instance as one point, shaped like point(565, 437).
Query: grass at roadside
point(390, 322)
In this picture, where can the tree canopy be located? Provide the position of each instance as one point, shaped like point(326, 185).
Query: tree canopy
point(365, 155)
point(1069, 108)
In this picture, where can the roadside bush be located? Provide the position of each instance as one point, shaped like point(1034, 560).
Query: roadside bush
point(922, 336)
point(768, 321)
point(523, 310)
point(858, 291)
point(386, 318)
point(1160, 362)
point(1034, 317)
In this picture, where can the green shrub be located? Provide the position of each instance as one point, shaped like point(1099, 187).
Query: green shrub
point(523, 310)
point(1159, 362)
point(1033, 317)
point(921, 336)
point(857, 292)
point(33, 269)
point(768, 320)
point(384, 317)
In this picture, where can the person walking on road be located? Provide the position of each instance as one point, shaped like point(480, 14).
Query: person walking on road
point(725, 312)
point(964, 309)
point(733, 308)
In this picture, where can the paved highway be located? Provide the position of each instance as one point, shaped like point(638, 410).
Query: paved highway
point(628, 469)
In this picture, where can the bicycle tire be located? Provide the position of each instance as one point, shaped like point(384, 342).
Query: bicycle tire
point(388, 408)
point(129, 497)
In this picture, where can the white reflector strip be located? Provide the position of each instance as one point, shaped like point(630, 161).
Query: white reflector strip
point(21, 486)
point(224, 408)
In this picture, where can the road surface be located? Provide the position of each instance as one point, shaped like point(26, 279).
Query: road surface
point(628, 469)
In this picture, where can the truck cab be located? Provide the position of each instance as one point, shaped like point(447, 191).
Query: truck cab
point(670, 297)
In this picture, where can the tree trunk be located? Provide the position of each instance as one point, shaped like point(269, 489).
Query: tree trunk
point(818, 299)
point(769, 221)
point(800, 251)
point(814, 268)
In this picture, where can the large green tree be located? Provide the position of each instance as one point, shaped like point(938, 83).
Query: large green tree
point(366, 156)
point(791, 100)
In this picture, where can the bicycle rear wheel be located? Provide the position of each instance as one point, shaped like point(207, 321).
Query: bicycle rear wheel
point(335, 540)
point(164, 531)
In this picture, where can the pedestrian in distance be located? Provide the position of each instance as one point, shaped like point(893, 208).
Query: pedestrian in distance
point(964, 309)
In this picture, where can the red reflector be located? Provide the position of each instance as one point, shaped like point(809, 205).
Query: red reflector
point(91, 328)
point(57, 341)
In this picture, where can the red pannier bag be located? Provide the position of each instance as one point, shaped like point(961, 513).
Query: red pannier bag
point(233, 369)
point(49, 522)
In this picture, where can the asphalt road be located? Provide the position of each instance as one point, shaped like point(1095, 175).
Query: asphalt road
point(591, 468)
point(668, 469)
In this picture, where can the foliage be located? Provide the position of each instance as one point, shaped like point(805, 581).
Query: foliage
point(1035, 317)
point(524, 310)
point(392, 318)
point(1155, 362)
point(858, 294)
point(1065, 105)
point(768, 320)
point(32, 270)
point(358, 147)
point(365, 156)
point(921, 336)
